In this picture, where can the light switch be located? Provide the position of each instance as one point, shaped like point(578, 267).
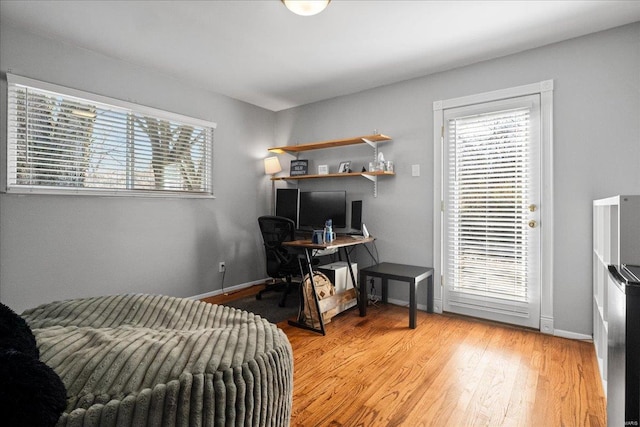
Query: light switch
point(415, 170)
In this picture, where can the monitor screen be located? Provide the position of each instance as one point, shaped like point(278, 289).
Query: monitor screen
point(318, 206)
point(287, 203)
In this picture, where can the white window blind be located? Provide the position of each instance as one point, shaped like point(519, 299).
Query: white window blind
point(487, 211)
point(62, 140)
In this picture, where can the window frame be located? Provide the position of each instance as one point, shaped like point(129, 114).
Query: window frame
point(6, 187)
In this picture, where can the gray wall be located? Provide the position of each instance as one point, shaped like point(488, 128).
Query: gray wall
point(596, 150)
point(57, 247)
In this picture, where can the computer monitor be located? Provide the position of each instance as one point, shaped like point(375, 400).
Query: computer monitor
point(318, 206)
point(287, 200)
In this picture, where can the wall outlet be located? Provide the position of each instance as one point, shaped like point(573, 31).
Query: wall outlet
point(221, 267)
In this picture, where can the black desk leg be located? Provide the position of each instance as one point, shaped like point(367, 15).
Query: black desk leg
point(385, 290)
point(413, 285)
point(362, 292)
point(353, 277)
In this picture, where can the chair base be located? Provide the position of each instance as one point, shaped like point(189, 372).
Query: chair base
point(278, 286)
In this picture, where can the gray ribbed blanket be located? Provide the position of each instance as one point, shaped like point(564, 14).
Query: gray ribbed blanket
point(162, 361)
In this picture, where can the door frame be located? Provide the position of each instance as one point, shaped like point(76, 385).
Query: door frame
point(545, 90)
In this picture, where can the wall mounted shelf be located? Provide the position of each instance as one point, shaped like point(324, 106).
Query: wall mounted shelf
point(371, 140)
point(369, 175)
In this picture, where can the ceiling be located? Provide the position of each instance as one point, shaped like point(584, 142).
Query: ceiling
point(259, 52)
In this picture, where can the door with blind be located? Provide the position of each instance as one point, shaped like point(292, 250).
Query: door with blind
point(491, 218)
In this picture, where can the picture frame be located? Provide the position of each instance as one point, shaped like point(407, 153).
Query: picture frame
point(323, 169)
point(344, 166)
point(299, 167)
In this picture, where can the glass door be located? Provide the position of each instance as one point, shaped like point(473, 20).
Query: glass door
point(491, 220)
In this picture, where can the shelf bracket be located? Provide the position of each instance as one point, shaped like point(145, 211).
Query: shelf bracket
point(368, 141)
point(374, 179)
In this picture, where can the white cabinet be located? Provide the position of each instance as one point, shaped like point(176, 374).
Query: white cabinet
point(338, 273)
point(616, 240)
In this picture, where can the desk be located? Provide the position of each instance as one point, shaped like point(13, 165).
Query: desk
point(341, 243)
point(401, 272)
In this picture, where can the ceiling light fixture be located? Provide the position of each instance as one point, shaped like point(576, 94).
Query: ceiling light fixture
point(306, 7)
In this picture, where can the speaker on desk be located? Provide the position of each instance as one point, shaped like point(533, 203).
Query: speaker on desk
point(356, 215)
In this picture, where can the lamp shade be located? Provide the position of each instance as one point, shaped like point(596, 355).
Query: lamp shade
point(306, 7)
point(272, 165)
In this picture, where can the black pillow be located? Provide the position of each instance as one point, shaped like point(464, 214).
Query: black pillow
point(15, 333)
point(31, 393)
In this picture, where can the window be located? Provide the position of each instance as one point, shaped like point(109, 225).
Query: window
point(62, 140)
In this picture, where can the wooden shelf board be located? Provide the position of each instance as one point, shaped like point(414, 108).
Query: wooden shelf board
point(329, 144)
point(331, 175)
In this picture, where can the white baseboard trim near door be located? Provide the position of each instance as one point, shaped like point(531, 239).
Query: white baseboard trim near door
point(546, 325)
point(437, 305)
point(421, 307)
point(572, 335)
point(229, 289)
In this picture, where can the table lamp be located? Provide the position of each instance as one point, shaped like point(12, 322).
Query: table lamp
point(272, 167)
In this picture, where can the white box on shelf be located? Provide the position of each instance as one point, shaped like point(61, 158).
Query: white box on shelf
point(339, 275)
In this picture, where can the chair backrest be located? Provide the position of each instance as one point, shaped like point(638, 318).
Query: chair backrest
point(275, 230)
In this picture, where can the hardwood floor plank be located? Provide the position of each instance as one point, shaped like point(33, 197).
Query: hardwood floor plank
point(595, 398)
point(463, 375)
point(523, 394)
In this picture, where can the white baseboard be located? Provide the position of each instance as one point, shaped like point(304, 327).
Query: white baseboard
point(230, 289)
point(546, 325)
point(401, 303)
point(437, 305)
point(571, 335)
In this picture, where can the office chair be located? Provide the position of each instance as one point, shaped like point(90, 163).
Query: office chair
point(281, 263)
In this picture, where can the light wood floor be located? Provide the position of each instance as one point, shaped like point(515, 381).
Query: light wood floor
point(450, 371)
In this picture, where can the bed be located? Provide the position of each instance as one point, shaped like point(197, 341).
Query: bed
point(164, 361)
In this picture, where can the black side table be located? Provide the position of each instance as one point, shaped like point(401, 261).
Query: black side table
point(411, 274)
